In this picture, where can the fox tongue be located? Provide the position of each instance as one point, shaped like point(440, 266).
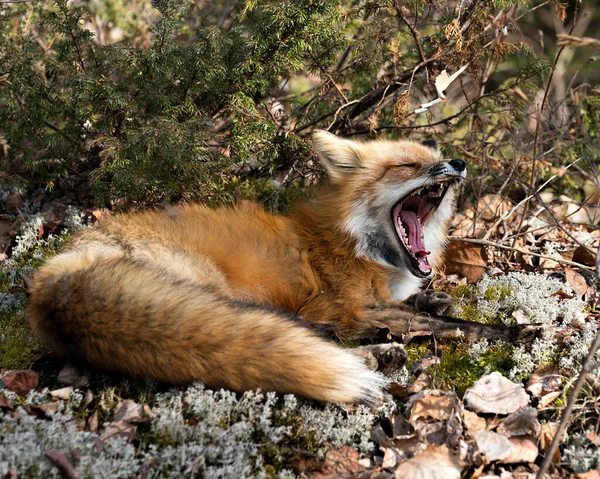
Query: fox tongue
point(413, 228)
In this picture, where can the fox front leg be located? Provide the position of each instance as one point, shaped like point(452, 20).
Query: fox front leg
point(400, 321)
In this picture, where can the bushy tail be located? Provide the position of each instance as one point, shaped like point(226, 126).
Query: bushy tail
point(119, 315)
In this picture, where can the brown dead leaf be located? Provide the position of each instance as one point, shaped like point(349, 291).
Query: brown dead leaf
point(561, 294)
point(4, 402)
point(119, 429)
point(584, 256)
point(595, 474)
point(520, 423)
point(340, 462)
point(11, 474)
point(63, 393)
point(390, 459)
point(14, 202)
point(131, 412)
point(433, 405)
point(101, 213)
point(92, 422)
point(545, 380)
point(466, 259)
point(62, 463)
point(435, 462)
point(577, 281)
point(473, 422)
point(547, 434)
point(493, 206)
point(87, 399)
point(524, 450)
point(593, 438)
point(423, 381)
point(21, 382)
point(398, 391)
point(74, 376)
point(548, 399)
point(520, 317)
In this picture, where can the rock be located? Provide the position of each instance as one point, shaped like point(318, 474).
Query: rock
point(495, 446)
point(495, 394)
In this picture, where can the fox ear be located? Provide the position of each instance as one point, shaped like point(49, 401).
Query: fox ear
point(337, 155)
point(431, 144)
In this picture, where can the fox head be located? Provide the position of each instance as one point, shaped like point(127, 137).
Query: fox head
point(394, 198)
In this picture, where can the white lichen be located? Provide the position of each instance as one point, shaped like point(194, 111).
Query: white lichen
point(478, 349)
point(532, 294)
point(195, 431)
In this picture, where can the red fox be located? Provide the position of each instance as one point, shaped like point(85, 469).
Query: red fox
point(229, 296)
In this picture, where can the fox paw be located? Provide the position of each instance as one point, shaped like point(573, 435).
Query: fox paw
point(431, 302)
point(384, 358)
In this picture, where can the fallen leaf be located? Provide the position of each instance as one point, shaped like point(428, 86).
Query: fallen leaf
point(20, 382)
point(101, 213)
point(422, 381)
point(547, 433)
point(14, 202)
point(584, 256)
point(520, 317)
point(466, 259)
point(495, 446)
point(62, 463)
point(544, 380)
point(493, 206)
point(435, 462)
point(87, 399)
point(561, 294)
point(390, 459)
point(473, 422)
point(92, 422)
point(41, 410)
point(593, 438)
point(577, 281)
point(131, 412)
point(548, 399)
point(595, 474)
point(11, 474)
point(63, 393)
point(433, 405)
point(398, 391)
point(520, 423)
point(524, 450)
point(4, 402)
point(495, 394)
point(119, 429)
point(75, 376)
point(340, 462)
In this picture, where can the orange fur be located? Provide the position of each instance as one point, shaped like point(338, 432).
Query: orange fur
point(220, 296)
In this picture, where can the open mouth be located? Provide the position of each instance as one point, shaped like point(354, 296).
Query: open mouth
point(410, 215)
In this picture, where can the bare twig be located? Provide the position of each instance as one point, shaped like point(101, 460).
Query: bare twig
point(566, 414)
point(540, 120)
point(518, 250)
point(413, 32)
point(514, 208)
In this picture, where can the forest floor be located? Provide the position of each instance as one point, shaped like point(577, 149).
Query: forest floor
point(459, 409)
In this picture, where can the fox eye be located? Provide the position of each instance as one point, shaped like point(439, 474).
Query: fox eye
point(409, 165)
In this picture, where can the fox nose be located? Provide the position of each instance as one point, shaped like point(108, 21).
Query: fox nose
point(458, 165)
